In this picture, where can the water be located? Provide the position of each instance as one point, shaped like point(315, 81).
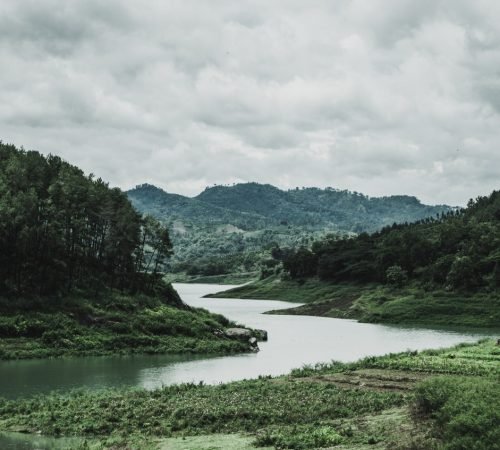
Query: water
point(293, 342)
point(19, 441)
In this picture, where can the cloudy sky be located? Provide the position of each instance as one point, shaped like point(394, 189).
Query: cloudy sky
point(378, 96)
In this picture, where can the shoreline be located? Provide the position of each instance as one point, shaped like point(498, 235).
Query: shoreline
point(378, 392)
point(374, 303)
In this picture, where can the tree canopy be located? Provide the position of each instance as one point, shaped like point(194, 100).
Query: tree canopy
point(62, 230)
point(458, 250)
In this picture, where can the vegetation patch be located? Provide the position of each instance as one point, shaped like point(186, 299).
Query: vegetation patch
point(412, 305)
point(114, 324)
point(81, 271)
point(464, 413)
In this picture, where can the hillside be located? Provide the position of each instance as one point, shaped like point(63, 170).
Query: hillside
point(331, 208)
point(230, 228)
point(253, 205)
point(81, 271)
point(442, 271)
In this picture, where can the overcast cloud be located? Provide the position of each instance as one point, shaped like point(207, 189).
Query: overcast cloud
point(378, 96)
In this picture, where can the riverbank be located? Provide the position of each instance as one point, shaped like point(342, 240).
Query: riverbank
point(379, 402)
point(228, 279)
point(115, 323)
point(376, 303)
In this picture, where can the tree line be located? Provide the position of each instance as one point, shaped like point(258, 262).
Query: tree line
point(62, 230)
point(457, 250)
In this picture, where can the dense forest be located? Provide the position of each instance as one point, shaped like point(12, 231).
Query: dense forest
point(458, 250)
point(232, 228)
point(61, 230)
point(81, 271)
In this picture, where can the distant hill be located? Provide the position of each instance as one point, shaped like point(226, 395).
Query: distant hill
point(229, 222)
point(342, 210)
point(165, 206)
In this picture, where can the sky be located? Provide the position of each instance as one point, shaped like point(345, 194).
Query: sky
point(381, 96)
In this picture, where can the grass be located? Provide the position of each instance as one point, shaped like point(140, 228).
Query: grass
point(376, 303)
point(230, 278)
point(481, 359)
point(391, 402)
point(114, 324)
point(211, 442)
point(274, 288)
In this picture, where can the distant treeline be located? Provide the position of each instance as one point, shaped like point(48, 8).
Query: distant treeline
point(61, 230)
point(459, 250)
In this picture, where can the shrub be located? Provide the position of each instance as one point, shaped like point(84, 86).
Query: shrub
point(396, 276)
point(464, 412)
point(299, 437)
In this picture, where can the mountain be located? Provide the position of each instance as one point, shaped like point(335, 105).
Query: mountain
point(314, 207)
point(253, 206)
point(436, 271)
point(234, 224)
point(169, 207)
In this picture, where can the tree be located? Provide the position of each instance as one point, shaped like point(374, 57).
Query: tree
point(61, 230)
point(396, 276)
point(462, 273)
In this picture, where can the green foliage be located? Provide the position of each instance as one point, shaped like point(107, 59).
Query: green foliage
point(464, 413)
point(245, 406)
point(481, 359)
point(112, 324)
point(458, 251)
point(300, 437)
point(305, 410)
point(61, 230)
point(463, 273)
point(371, 302)
point(231, 229)
point(396, 276)
point(81, 269)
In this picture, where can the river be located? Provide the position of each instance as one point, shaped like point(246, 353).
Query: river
point(293, 342)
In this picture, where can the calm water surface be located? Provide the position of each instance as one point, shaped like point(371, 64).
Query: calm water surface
point(293, 342)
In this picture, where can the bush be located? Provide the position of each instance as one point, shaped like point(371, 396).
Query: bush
point(396, 276)
point(464, 412)
point(300, 437)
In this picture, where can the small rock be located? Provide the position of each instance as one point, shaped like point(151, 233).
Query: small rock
point(261, 335)
point(239, 333)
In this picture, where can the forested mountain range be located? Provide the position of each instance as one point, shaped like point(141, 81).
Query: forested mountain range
point(229, 228)
point(253, 205)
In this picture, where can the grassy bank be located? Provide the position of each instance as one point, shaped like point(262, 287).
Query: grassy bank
point(376, 303)
point(229, 278)
point(114, 323)
point(393, 401)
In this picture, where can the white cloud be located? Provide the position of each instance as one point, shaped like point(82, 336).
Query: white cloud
point(383, 97)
